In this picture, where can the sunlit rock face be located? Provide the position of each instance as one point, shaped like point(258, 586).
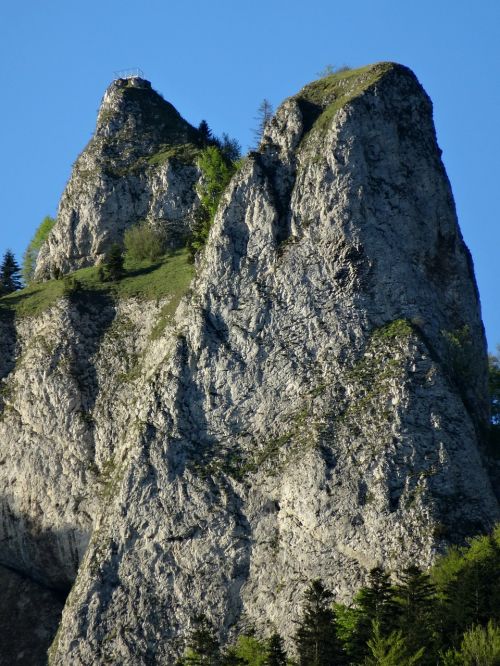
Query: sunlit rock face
point(314, 409)
point(139, 165)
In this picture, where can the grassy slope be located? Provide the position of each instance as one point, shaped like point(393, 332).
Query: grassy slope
point(169, 276)
point(172, 275)
point(332, 92)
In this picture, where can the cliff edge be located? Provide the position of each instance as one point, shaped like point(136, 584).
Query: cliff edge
point(312, 407)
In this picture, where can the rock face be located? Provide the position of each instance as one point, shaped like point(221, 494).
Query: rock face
point(29, 615)
point(314, 409)
point(139, 165)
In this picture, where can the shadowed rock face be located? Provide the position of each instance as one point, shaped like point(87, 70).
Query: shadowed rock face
point(314, 411)
point(29, 616)
point(140, 164)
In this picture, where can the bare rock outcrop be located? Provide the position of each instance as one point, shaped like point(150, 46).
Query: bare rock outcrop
point(320, 412)
point(315, 408)
point(139, 165)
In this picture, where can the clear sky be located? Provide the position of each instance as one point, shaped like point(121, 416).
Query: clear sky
point(218, 60)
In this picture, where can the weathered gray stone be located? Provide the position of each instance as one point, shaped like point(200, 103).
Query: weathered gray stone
point(315, 409)
point(139, 165)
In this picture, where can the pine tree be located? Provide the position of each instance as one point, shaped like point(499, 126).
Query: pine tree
point(9, 274)
point(113, 263)
point(206, 135)
point(416, 597)
point(216, 173)
point(264, 115)
point(230, 148)
point(390, 650)
point(203, 648)
point(468, 579)
point(315, 638)
point(480, 646)
point(375, 603)
point(276, 655)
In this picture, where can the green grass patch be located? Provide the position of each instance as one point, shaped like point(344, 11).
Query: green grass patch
point(333, 92)
point(186, 153)
point(399, 328)
point(170, 276)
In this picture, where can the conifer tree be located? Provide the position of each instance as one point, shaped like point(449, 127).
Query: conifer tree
point(480, 647)
point(230, 148)
point(469, 583)
point(203, 648)
point(315, 638)
point(206, 135)
point(113, 263)
point(390, 650)
point(374, 603)
point(264, 115)
point(216, 173)
point(276, 655)
point(9, 274)
point(416, 598)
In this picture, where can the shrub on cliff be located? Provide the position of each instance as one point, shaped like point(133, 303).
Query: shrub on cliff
point(144, 241)
point(216, 170)
point(31, 254)
point(112, 268)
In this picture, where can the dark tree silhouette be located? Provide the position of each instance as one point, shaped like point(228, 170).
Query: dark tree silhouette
point(416, 598)
point(10, 279)
point(316, 639)
point(264, 115)
point(206, 135)
point(113, 263)
point(276, 655)
point(202, 647)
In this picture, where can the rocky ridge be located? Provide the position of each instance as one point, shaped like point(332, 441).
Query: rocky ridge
point(314, 408)
point(139, 165)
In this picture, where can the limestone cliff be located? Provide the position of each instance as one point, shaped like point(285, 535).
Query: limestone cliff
point(313, 408)
point(139, 165)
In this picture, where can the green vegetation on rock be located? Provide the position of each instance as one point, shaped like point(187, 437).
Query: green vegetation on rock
point(168, 277)
point(31, 254)
point(144, 241)
point(186, 153)
point(330, 93)
point(449, 615)
point(217, 171)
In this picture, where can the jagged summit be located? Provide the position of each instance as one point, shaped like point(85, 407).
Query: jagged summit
point(139, 165)
point(133, 113)
point(311, 409)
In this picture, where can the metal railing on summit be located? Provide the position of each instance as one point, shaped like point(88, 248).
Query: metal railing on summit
point(132, 73)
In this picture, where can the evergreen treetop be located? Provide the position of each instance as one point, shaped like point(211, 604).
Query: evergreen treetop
point(113, 263)
point(10, 279)
point(276, 655)
point(316, 639)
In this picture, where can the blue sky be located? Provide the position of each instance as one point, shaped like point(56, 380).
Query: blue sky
point(218, 60)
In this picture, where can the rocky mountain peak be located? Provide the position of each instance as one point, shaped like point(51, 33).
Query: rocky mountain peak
point(133, 113)
point(139, 165)
point(309, 408)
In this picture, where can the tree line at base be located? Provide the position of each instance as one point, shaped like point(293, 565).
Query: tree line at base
point(449, 615)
